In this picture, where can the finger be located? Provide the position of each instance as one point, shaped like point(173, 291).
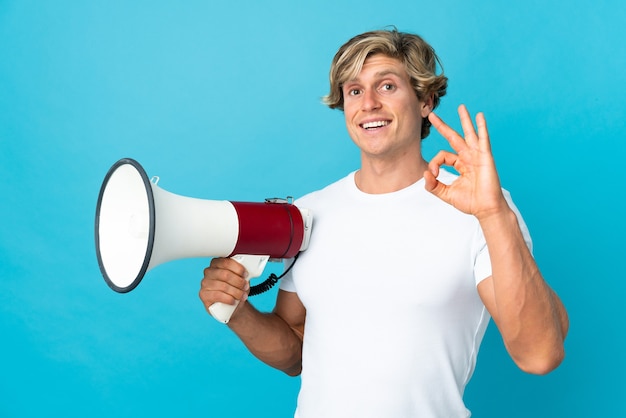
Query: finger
point(222, 279)
point(229, 264)
point(430, 180)
point(443, 158)
point(468, 126)
point(434, 186)
point(483, 133)
point(213, 291)
point(222, 285)
point(455, 140)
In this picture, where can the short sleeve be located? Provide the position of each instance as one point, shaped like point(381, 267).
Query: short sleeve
point(287, 283)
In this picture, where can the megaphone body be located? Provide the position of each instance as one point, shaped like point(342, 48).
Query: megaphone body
point(139, 226)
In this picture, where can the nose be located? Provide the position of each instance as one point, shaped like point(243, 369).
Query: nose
point(370, 100)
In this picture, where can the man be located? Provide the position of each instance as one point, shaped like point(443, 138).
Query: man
point(384, 313)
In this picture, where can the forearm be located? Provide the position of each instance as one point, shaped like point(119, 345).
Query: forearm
point(529, 315)
point(269, 338)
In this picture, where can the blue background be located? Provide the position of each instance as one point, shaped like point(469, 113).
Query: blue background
point(222, 101)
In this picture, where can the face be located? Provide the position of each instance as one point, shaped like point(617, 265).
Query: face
point(383, 114)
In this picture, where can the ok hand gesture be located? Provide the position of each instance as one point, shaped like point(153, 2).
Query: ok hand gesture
point(477, 190)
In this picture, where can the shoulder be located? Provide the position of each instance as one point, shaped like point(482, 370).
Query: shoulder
point(328, 193)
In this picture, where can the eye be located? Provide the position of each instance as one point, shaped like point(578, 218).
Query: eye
point(354, 92)
point(388, 87)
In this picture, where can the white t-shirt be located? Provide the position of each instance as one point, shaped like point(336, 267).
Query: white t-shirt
point(394, 320)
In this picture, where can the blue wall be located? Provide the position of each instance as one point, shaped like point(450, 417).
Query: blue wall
point(222, 101)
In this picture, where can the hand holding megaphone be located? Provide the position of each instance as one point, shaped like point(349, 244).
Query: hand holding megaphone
point(139, 226)
point(254, 265)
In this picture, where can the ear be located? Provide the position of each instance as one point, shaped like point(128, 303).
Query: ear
point(427, 105)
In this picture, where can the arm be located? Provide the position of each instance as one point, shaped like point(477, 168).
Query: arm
point(529, 315)
point(275, 338)
point(531, 318)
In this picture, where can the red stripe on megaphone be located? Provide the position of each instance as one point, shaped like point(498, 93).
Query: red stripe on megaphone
point(274, 229)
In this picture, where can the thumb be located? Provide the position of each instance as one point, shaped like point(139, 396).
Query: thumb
point(431, 183)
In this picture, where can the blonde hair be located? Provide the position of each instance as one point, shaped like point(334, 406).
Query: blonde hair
point(418, 57)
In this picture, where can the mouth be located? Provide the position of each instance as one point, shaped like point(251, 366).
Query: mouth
point(369, 126)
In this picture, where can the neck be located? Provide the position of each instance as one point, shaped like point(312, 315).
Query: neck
point(380, 177)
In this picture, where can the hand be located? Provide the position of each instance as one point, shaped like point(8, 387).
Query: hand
point(224, 281)
point(477, 190)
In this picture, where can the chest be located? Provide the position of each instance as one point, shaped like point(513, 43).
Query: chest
point(416, 255)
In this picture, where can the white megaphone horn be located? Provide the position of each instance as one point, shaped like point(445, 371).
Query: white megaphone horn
point(140, 225)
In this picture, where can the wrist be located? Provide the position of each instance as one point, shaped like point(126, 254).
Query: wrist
point(241, 315)
point(499, 220)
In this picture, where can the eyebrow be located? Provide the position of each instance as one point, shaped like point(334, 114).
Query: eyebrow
point(385, 73)
point(379, 74)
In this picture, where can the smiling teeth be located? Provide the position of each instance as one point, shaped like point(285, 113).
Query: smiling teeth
point(376, 124)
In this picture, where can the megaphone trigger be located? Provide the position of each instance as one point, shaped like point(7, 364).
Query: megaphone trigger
point(254, 264)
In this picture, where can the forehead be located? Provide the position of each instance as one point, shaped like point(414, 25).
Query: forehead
point(379, 65)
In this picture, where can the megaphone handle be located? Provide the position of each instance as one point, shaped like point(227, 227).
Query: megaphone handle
point(254, 264)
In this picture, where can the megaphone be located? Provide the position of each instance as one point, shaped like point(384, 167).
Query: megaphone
point(139, 226)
